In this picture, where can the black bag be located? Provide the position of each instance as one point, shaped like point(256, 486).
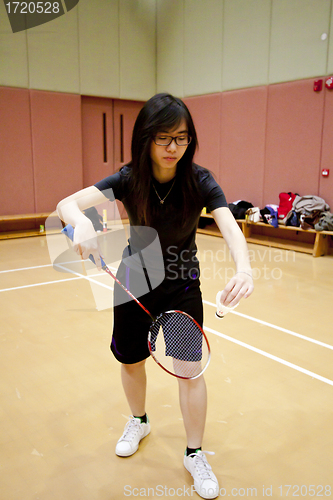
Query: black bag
point(95, 218)
point(238, 210)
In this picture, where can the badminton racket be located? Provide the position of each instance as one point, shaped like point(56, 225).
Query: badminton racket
point(175, 340)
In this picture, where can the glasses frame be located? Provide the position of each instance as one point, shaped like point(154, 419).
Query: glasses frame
point(172, 139)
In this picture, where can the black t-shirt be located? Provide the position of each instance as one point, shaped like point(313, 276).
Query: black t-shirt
point(177, 242)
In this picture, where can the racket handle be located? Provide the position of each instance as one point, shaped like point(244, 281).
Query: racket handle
point(222, 310)
point(69, 232)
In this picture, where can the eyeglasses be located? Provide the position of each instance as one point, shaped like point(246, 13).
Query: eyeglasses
point(166, 140)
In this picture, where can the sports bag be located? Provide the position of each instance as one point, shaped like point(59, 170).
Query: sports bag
point(286, 204)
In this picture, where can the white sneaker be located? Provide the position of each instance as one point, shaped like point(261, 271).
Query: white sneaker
point(133, 433)
point(205, 482)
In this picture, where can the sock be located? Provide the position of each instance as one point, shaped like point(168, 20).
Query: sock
point(143, 418)
point(192, 450)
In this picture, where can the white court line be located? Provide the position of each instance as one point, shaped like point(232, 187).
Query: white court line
point(88, 278)
point(271, 325)
point(81, 276)
point(24, 268)
point(36, 284)
point(37, 267)
point(78, 277)
point(231, 339)
point(271, 356)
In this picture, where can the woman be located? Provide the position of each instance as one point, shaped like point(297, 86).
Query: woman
point(163, 189)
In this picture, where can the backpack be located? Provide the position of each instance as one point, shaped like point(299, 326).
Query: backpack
point(286, 204)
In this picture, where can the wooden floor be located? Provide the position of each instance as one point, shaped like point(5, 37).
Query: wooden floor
point(270, 383)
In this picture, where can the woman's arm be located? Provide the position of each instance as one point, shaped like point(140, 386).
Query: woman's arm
point(70, 210)
point(241, 285)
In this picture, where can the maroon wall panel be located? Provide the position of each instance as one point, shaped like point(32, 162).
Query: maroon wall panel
point(16, 171)
point(243, 119)
point(258, 142)
point(125, 114)
point(57, 147)
point(205, 111)
point(97, 139)
point(326, 183)
point(293, 141)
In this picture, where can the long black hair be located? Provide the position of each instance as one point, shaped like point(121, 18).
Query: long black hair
point(162, 112)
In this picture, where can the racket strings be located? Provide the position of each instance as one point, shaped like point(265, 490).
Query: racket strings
point(178, 344)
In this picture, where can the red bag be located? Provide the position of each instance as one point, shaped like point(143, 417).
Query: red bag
point(286, 204)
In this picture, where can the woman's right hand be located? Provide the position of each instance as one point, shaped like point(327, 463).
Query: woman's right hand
point(85, 242)
point(70, 210)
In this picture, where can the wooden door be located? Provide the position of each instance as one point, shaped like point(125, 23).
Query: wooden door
point(125, 114)
point(97, 139)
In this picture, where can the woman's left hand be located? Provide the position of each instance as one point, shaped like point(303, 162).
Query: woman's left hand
point(240, 286)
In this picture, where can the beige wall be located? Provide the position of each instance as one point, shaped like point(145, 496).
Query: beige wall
point(297, 50)
point(130, 49)
point(330, 49)
point(246, 43)
point(232, 44)
point(101, 47)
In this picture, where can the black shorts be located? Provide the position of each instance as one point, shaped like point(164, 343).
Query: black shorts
point(131, 324)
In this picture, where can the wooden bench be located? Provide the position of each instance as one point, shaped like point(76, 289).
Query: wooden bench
point(23, 225)
point(316, 243)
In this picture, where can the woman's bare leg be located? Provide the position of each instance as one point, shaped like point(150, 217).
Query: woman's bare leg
point(193, 405)
point(134, 383)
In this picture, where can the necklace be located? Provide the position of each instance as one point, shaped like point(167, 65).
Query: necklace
point(163, 200)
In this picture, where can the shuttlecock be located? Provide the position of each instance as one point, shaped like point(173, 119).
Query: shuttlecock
point(222, 310)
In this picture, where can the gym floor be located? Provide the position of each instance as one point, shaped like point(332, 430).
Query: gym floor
point(270, 384)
